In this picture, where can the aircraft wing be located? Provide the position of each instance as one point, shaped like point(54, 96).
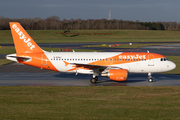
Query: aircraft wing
point(90, 66)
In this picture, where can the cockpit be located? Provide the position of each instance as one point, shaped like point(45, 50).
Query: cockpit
point(164, 59)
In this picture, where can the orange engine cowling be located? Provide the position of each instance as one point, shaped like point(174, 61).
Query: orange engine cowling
point(116, 74)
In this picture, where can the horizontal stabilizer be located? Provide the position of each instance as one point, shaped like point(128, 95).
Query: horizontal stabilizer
point(13, 57)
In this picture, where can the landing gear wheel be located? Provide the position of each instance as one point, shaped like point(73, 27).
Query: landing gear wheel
point(150, 80)
point(94, 80)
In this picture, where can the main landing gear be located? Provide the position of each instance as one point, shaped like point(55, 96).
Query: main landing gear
point(94, 79)
point(150, 77)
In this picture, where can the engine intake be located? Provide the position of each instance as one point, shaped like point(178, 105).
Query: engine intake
point(116, 74)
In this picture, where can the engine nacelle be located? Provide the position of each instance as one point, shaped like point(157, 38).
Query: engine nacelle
point(116, 74)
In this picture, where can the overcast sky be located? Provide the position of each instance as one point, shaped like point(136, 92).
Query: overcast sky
point(142, 10)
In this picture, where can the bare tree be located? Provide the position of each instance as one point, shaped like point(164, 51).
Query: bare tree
point(54, 23)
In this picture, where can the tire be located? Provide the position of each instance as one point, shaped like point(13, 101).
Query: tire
point(150, 80)
point(93, 80)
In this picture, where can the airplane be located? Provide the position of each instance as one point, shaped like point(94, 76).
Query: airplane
point(115, 65)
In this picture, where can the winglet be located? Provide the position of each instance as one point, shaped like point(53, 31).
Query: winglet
point(22, 40)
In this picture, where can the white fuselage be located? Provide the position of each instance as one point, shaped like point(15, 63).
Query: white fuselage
point(132, 65)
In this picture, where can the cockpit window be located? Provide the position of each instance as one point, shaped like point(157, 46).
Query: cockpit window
point(164, 59)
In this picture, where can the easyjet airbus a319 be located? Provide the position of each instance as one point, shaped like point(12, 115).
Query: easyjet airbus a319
point(114, 65)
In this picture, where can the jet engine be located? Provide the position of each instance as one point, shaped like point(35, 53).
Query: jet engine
point(116, 74)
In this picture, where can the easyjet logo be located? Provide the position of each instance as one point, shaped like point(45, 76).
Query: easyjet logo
point(23, 37)
point(137, 56)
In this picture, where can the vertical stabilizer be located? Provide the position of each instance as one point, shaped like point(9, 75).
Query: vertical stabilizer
point(22, 40)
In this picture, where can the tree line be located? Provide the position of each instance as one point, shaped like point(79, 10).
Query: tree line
point(54, 23)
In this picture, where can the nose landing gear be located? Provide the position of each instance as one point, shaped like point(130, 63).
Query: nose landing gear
point(150, 77)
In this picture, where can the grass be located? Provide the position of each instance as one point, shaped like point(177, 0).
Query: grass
point(50, 36)
point(7, 50)
point(60, 49)
point(127, 45)
point(11, 49)
point(4, 61)
point(25, 102)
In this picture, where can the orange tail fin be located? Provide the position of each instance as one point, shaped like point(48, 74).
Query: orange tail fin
point(22, 40)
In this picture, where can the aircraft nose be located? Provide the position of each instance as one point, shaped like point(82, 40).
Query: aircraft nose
point(172, 66)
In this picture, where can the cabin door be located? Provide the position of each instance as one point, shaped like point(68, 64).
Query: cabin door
point(151, 60)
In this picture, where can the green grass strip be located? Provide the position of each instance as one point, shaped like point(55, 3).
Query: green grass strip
point(50, 36)
point(137, 103)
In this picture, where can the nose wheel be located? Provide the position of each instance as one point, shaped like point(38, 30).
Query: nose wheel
point(150, 77)
point(150, 80)
point(94, 80)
